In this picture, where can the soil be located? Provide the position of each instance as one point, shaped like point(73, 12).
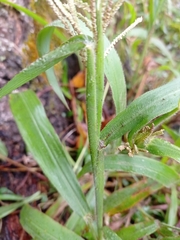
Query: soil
point(14, 30)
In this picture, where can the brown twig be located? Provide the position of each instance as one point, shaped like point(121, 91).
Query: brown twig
point(20, 167)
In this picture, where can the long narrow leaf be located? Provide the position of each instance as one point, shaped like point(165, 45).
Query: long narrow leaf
point(47, 61)
point(171, 238)
point(142, 111)
point(44, 144)
point(139, 230)
point(175, 135)
point(115, 76)
point(173, 208)
point(43, 46)
point(166, 230)
point(139, 165)
point(163, 148)
point(128, 197)
point(42, 227)
point(7, 209)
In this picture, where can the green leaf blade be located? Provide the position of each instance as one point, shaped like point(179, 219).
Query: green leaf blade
point(7, 209)
point(139, 230)
point(115, 76)
point(45, 146)
point(128, 197)
point(42, 227)
point(142, 111)
point(163, 148)
point(110, 235)
point(148, 167)
point(43, 46)
point(144, 166)
point(42, 64)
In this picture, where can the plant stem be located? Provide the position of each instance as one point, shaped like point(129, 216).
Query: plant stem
point(99, 165)
point(93, 133)
point(94, 100)
point(98, 171)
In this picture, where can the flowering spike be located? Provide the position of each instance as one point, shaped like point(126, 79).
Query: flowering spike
point(60, 15)
point(93, 17)
point(73, 12)
point(107, 14)
point(82, 5)
point(120, 36)
point(85, 20)
point(111, 12)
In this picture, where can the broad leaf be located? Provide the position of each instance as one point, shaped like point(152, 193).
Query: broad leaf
point(128, 197)
point(45, 146)
point(42, 64)
point(142, 111)
point(139, 165)
point(139, 230)
point(42, 227)
point(163, 148)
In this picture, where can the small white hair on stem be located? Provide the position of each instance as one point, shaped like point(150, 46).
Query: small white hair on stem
point(120, 36)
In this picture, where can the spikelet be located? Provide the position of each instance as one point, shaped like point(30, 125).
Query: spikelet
point(120, 36)
point(73, 13)
point(82, 5)
point(111, 12)
point(104, 4)
point(85, 20)
point(93, 17)
point(60, 15)
point(107, 14)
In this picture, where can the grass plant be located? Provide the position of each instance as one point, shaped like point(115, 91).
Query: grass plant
point(140, 150)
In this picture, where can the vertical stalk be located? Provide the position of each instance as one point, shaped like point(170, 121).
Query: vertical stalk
point(99, 167)
point(94, 100)
point(93, 133)
point(91, 103)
